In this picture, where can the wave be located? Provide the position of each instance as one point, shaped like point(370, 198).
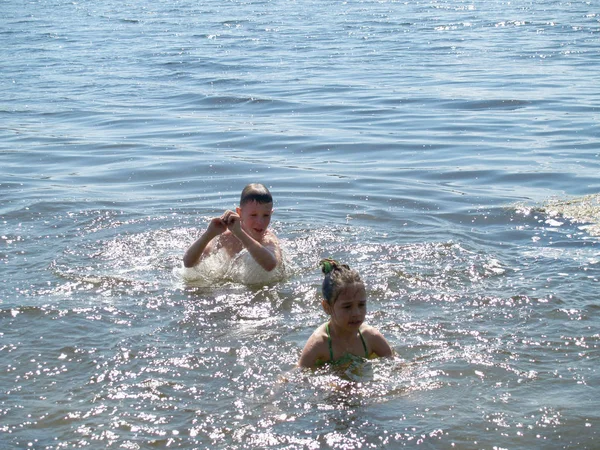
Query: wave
point(584, 210)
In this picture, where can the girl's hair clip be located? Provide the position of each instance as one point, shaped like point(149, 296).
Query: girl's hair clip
point(328, 265)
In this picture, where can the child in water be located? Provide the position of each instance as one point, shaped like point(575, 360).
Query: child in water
point(345, 336)
point(246, 228)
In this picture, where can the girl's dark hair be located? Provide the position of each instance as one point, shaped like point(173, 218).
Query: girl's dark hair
point(255, 192)
point(336, 277)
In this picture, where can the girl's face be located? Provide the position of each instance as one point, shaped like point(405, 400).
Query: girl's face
point(255, 218)
point(350, 307)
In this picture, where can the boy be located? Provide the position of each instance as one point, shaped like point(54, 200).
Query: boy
point(244, 228)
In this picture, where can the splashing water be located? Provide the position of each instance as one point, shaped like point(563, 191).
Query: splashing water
point(219, 267)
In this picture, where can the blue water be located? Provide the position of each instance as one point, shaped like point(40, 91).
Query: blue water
point(447, 150)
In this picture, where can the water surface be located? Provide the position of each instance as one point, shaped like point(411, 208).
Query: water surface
point(447, 150)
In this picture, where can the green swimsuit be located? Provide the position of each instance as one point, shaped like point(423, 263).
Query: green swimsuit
point(346, 357)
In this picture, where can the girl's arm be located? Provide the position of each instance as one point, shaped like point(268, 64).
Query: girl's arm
point(313, 351)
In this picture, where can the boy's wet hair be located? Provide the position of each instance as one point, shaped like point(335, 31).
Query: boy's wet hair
point(255, 192)
point(336, 277)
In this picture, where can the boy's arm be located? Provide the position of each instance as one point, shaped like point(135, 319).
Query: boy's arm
point(267, 256)
point(195, 251)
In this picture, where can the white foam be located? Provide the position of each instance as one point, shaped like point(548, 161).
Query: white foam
point(584, 209)
point(220, 267)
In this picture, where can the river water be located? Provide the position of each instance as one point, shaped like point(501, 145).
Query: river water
point(448, 150)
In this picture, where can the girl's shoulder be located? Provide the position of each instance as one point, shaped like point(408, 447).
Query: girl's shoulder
point(320, 333)
point(316, 348)
point(376, 341)
point(369, 331)
point(318, 338)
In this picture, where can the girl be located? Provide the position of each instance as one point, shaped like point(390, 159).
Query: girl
point(345, 337)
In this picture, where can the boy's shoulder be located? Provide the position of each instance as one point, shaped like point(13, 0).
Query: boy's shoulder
point(270, 238)
point(271, 241)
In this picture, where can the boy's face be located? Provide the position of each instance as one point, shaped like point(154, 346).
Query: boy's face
point(255, 218)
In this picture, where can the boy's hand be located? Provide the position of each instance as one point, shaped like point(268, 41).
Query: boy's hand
point(204, 244)
point(232, 222)
point(217, 225)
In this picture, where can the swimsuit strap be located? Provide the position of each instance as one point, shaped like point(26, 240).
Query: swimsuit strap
point(329, 338)
point(331, 348)
point(364, 344)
